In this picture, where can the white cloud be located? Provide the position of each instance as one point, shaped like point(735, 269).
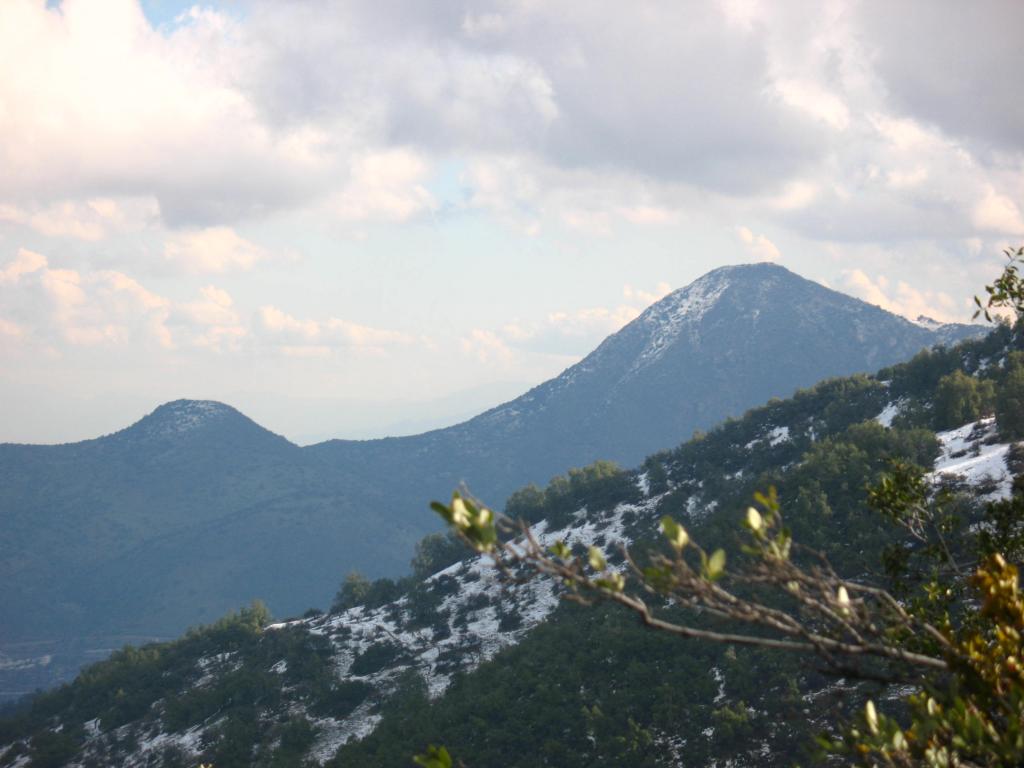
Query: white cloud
point(86, 309)
point(90, 220)
point(214, 249)
point(67, 308)
point(290, 333)
point(646, 298)
point(386, 185)
point(907, 178)
point(211, 320)
point(900, 297)
point(588, 322)
point(794, 196)
point(815, 101)
point(487, 347)
point(759, 246)
point(997, 213)
point(97, 103)
point(949, 64)
point(563, 333)
point(11, 330)
point(25, 263)
point(647, 214)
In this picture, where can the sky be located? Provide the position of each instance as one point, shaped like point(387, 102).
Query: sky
point(351, 219)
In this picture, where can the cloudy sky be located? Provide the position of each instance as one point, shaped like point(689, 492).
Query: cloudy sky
point(359, 217)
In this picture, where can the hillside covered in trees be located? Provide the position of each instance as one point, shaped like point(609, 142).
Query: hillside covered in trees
point(511, 675)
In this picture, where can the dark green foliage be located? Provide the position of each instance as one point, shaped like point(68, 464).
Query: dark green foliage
point(53, 750)
point(232, 743)
point(1010, 400)
point(1005, 530)
point(589, 688)
point(436, 552)
point(354, 590)
point(375, 658)
point(237, 659)
point(423, 602)
point(923, 372)
point(124, 687)
point(597, 486)
point(1007, 291)
point(960, 399)
point(296, 735)
point(341, 698)
point(526, 504)
point(657, 474)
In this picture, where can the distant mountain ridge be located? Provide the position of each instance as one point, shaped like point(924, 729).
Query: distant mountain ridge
point(196, 509)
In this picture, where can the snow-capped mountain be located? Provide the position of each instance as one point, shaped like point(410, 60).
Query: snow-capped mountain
point(195, 509)
point(730, 340)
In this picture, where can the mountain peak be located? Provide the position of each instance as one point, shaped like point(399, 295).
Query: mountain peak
point(664, 321)
point(181, 416)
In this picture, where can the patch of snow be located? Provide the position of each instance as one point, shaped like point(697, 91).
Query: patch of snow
point(643, 482)
point(678, 311)
point(189, 741)
point(334, 733)
point(890, 412)
point(695, 509)
point(183, 416)
point(720, 679)
point(967, 455)
point(776, 436)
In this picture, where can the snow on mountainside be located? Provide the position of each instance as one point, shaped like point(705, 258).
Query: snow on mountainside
point(476, 615)
point(666, 320)
point(700, 353)
point(973, 457)
point(196, 499)
point(182, 416)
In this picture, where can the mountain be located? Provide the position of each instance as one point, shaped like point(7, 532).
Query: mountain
point(507, 673)
point(730, 340)
point(195, 509)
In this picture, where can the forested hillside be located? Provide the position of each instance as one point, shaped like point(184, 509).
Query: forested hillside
point(509, 675)
point(196, 509)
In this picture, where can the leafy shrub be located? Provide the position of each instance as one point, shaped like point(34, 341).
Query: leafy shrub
point(375, 658)
point(436, 552)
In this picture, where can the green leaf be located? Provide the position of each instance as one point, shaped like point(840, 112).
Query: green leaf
point(597, 561)
point(561, 550)
point(658, 577)
point(674, 532)
point(613, 582)
point(442, 510)
point(716, 565)
point(434, 757)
